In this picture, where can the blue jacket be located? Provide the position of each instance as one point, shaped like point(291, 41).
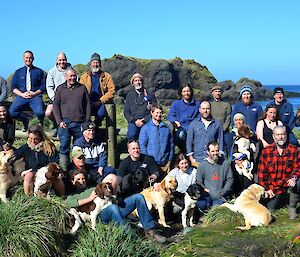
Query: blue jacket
point(37, 77)
point(286, 113)
point(157, 141)
point(198, 137)
point(94, 153)
point(184, 112)
point(251, 112)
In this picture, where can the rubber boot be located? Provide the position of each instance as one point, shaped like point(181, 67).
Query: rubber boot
point(64, 160)
point(294, 199)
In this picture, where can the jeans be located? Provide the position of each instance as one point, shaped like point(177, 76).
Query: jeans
point(206, 201)
point(36, 104)
point(73, 129)
point(100, 112)
point(180, 138)
point(133, 131)
point(118, 214)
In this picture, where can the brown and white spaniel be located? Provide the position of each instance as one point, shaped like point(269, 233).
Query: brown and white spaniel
point(45, 177)
point(90, 211)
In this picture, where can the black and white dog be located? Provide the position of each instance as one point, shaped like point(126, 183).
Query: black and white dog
point(186, 202)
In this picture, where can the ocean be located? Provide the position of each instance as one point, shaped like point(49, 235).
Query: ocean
point(295, 101)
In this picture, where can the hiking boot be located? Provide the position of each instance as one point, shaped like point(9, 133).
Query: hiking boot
point(151, 234)
point(293, 213)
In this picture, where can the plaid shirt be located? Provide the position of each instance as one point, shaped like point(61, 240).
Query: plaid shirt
point(275, 170)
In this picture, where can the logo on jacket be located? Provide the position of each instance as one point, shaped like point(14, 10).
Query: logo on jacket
point(215, 176)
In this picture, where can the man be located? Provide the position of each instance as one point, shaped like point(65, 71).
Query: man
point(221, 111)
point(137, 105)
point(114, 213)
point(201, 131)
point(79, 163)
point(100, 86)
point(251, 110)
point(55, 77)
point(28, 84)
point(216, 177)
point(94, 152)
point(286, 113)
point(156, 139)
point(136, 160)
point(71, 108)
point(3, 90)
point(278, 170)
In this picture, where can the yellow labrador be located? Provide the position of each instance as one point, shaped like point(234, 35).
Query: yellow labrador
point(255, 214)
point(158, 199)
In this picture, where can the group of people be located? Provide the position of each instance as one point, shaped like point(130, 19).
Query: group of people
point(204, 132)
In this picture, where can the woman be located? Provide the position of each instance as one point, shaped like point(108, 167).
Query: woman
point(265, 126)
point(37, 152)
point(184, 173)
point(7, 128)
point(182, 112)
point(241, 182)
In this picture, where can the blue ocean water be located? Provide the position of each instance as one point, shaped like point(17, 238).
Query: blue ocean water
point(295, 101)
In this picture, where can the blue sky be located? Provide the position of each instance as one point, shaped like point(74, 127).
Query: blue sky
point(234, 39)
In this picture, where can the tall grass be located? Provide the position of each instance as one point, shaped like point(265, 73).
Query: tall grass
point(31, 226)
point(113, 241)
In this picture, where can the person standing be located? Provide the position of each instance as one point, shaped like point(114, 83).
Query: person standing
point(221, 111)
point(137, 106)
point(156, 139)
point(28, 84)
point(3, 90)
point(250, 109)
point(286, 113)
point(55, 77)
point(201, 132)
point(71, 108)
point(100, 87)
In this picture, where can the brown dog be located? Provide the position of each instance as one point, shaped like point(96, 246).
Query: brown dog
point(7, 180)
point(158, 199)
point(91, 210)
point(255, 214)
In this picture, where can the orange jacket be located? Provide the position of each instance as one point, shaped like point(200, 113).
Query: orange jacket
point(107, 85)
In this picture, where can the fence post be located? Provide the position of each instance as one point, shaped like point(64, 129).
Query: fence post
point(111, 134)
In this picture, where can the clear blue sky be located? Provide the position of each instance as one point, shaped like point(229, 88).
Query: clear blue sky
point(234, 39)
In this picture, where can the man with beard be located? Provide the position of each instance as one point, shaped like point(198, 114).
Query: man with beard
point(286, 113)
point(100, 86)
point(137, 106)
point(279, 170)
point(215, 176)
point(251, 110)
point(55, 77)
point(201, 131)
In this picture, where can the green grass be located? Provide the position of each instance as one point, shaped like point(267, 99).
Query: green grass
point(113, 241)
point(218, 237)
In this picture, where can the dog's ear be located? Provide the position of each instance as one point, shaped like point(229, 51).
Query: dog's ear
point(50, 174)
point(99, 190)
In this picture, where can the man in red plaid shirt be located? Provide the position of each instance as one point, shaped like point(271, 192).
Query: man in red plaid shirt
point(279, 170)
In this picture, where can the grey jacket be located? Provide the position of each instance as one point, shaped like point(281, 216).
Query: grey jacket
point(217, 178)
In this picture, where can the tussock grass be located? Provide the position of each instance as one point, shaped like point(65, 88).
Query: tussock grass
point(222, 215)
point(31, 226)
point(112, 241)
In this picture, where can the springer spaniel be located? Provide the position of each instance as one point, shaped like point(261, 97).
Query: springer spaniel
point(45, 177)
point(91, 210)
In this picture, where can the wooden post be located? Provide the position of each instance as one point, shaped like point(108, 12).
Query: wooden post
point(111, 134)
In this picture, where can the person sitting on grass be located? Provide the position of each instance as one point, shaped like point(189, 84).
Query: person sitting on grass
point(38, 152)
point(7, 128)
point(114, 213)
